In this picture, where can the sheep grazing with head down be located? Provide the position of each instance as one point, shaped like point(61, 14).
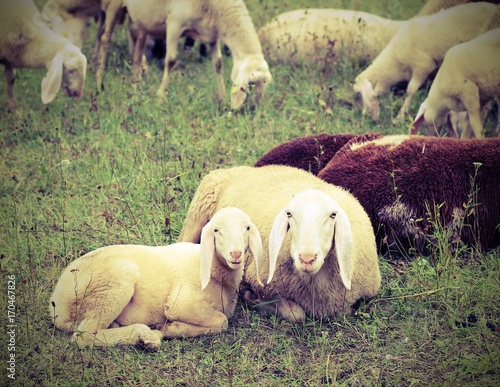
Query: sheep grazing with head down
point(324, 264)
point(113, 295)
point(207, 21)
point(320, 35)
point(27, 42)
point(403, 182)
point(418, 48)
point(468, 77)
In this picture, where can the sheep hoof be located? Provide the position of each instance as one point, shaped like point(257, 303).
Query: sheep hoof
point(161, 93)
point(150, 340)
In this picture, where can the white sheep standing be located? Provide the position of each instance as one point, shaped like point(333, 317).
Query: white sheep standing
point(313, 35)
point(418, 48)
point(207, 21)
point(27, 42)
point(468, 77)
point(324, 264)
point(113, 295)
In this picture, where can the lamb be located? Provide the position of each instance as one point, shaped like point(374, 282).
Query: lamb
point(27, 42)
point(207, 21)
point(113, 295)
point(328, 262)
point(418, 48)
point(468, 77)
point(401, 180)
point(315, 35)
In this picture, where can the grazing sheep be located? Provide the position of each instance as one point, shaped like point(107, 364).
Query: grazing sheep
point(113, 295)
point(27, 42)
point(329, 259)
point(468, 77)
point(208, 21)
point(418, 48)
point(319, 35)
point(310, 153)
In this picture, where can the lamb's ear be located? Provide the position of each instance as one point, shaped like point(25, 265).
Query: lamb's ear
point(343, 247)
point(239, 93)
point(255, 247)
point(51, 83)
point(419, 119)
point(370, 102)
point(207, 252)
point(276, 238)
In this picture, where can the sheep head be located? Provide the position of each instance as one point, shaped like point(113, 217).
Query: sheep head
point(315, 221)
point(371, 105)
point(253, 71)
point(67, 70)
point(227, 236)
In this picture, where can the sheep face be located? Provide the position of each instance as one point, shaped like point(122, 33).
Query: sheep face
point(371, 104)
point(227, 237)
point(315, 221)
point(253, 71)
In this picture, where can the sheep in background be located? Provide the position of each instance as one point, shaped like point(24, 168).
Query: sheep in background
point(468, 77)
point(315, 35)
point(433, 6)
point(27, 42)
point(326, 263)
point(310, 153)
point(400, 179)
point(418, 48)
point(111, 296)
point(208, 21)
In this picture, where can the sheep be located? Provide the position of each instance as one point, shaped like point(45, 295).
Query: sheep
point(468, 77)
point(115, 294)
point(418, 48)
point(206, 21)
point(433, 6)
point(27, 42)
point(315, 35)
point(326, 263)
point(400, 179)
point(310, 153)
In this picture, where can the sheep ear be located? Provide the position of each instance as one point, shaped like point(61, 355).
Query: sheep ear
point(255, 247)
point(51, 83)
point(370, 103)
point(419, 119)
point(207, 252)
point(238, 94)
point(276, 238)
point(343, 247)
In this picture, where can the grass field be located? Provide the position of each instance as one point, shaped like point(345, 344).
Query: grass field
point(122, 167)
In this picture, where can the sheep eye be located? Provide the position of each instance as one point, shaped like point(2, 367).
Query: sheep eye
point(216, 230)
point(289, 214)
point(248, 228)
point(333, 215)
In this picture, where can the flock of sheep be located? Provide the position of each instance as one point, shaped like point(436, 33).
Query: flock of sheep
point(312, 214)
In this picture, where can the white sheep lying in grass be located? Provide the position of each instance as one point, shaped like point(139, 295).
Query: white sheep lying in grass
point(418, 48)
point(27, 42)
point(207, 21)
point(322, 35)
point(328, 260)
point(113, 295)
point(468, 77)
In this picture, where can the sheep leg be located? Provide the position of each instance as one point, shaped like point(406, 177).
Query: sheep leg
point(172, 37)
point(214, 323)
point(138, 53)
point(216, 53)
point(470, 99)
point(417, 79)
point(286, 309)
point(110, 17)
point(10, 76)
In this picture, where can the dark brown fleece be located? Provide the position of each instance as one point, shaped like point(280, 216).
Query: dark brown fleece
point(400, 187)
point(310, 153)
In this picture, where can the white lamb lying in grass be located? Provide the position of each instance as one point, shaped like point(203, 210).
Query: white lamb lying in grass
point(113, 295)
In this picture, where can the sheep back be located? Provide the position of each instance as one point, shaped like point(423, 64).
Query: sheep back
point(403, 184)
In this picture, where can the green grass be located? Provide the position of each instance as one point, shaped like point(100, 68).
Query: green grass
point(122, 168)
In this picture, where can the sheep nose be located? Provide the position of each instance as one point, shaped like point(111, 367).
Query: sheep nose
point(235, 254)
point(307, 259)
